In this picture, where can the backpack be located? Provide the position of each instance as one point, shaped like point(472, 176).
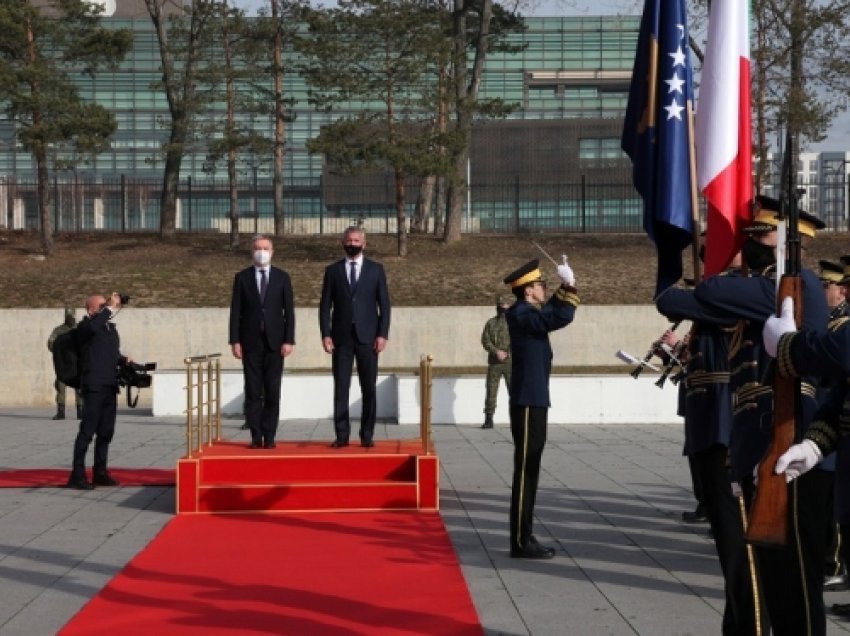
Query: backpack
point(66, 359)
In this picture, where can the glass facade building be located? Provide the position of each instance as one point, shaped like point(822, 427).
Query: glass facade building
point(573, 70)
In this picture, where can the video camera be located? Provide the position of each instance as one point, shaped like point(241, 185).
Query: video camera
point(135, 375)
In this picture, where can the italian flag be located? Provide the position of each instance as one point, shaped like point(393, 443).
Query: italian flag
point(724, 132)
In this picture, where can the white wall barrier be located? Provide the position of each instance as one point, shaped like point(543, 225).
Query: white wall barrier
point(593, 399)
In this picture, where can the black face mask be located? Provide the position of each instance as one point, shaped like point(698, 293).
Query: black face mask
point(757, 256)
point(352, 250)
point(70, 321)
point(500, 310)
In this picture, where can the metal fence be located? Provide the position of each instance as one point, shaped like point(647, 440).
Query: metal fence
point(133, 205)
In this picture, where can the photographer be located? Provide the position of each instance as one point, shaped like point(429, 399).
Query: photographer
point(100, 359)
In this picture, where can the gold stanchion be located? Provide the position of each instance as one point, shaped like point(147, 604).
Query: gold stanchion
point(203, 413)
point(425, 403)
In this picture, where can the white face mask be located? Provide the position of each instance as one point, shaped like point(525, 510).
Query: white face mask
point(262, 257)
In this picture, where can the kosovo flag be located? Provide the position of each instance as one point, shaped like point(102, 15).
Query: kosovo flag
point(656, 136)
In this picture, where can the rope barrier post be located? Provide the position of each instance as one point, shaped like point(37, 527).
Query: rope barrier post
point(189, 408)
point(218, 399)
point(203, 401)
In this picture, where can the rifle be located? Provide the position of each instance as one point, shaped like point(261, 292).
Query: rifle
point(768, 525)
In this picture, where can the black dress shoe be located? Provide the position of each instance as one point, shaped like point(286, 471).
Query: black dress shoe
point(269, 445)
point(532, 541)
point(79, 483)
point(367, 443)
point(339, 443)
point(105, 480)
point(255, 445)
point(244, 427)
point(532, 551)
point(842, 609)
point(697, 516)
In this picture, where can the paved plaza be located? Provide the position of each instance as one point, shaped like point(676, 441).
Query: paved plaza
point(610, 501)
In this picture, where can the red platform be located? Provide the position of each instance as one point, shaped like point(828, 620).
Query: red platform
point(308, 476)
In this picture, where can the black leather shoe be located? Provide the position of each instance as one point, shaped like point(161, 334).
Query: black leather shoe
point(244, 427)
point(79, 483)
point(697, 516)
point(339, 443)
point(269, 445)
point(367, 443)
point(532, 551)
point(842, 609)
point(104, 480)
point(255, 445)
point(532, 541)
point(835, 583)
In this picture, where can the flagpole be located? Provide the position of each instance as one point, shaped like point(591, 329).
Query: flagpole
point(692, 158)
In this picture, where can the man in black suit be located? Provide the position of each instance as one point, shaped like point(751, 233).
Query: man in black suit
point(354, 320)
point(262, 334)
point(100, 358)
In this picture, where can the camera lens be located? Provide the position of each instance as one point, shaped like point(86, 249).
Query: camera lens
point(125, 299)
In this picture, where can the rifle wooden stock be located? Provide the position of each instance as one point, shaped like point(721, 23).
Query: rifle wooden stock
point(768, 524)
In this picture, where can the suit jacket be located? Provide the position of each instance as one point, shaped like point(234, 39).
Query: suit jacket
point(247, 312)
point(367, 307)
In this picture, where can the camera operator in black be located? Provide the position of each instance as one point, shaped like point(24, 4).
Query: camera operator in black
point(100, 359)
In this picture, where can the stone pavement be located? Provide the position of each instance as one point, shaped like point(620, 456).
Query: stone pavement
point(610, 501)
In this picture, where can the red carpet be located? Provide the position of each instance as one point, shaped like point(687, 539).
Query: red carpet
point(47, 477)
point(305, 574)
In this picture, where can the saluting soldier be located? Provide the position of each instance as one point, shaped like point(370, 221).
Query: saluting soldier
point(530, 320)
point(497, 343)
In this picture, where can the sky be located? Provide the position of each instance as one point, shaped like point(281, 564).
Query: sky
point(837, 139)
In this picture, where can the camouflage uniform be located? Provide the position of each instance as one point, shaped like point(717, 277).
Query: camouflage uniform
point(495, 337)
point(60, 387)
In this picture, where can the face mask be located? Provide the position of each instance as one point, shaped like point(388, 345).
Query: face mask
point(262, 257)
point(757, 256)
point(352, 250)
point(500, 310)
point(69, 321)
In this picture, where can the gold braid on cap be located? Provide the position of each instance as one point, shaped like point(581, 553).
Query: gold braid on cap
point(532, 276)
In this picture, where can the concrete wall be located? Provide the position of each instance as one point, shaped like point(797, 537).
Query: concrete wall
point(450, 334)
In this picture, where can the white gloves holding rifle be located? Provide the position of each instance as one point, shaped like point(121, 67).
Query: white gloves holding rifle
point(565, 273)
point(778, 326)
point(798, 459)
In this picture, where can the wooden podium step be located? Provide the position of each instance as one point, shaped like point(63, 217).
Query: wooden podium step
point(308, 476)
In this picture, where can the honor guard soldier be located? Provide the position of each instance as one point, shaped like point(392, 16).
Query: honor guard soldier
point(530, 320)
point(832, 275)
point(708, 427)
point(69, 323)
point(791, 577)
point(497, 343)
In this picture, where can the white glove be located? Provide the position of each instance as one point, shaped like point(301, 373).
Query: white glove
point(798, 459)
point(778, 326)
point(565, 272)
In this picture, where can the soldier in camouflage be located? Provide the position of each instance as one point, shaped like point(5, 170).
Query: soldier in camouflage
point(65, 327)
point(497, 343)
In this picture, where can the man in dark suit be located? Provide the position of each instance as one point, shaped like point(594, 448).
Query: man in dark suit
point(262, 334)
point(354, 320)
point(100, 358)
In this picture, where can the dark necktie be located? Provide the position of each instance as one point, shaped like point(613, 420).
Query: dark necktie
point(352, 276)
point(264, 283)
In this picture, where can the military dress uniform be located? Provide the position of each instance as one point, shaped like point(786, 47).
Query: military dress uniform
point(708, 427)
point(495, 337)
point(531, 354)
point(791, 578)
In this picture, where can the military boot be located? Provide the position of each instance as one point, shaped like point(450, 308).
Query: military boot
point(60, 413)
point(488, 422)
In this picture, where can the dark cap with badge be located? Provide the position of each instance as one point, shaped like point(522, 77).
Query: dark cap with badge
point(830, 272)
point(765, 219)
point(525, 275)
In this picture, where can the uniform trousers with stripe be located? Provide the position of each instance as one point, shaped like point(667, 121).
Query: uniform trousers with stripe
point(792, 577)
point(528, 428)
